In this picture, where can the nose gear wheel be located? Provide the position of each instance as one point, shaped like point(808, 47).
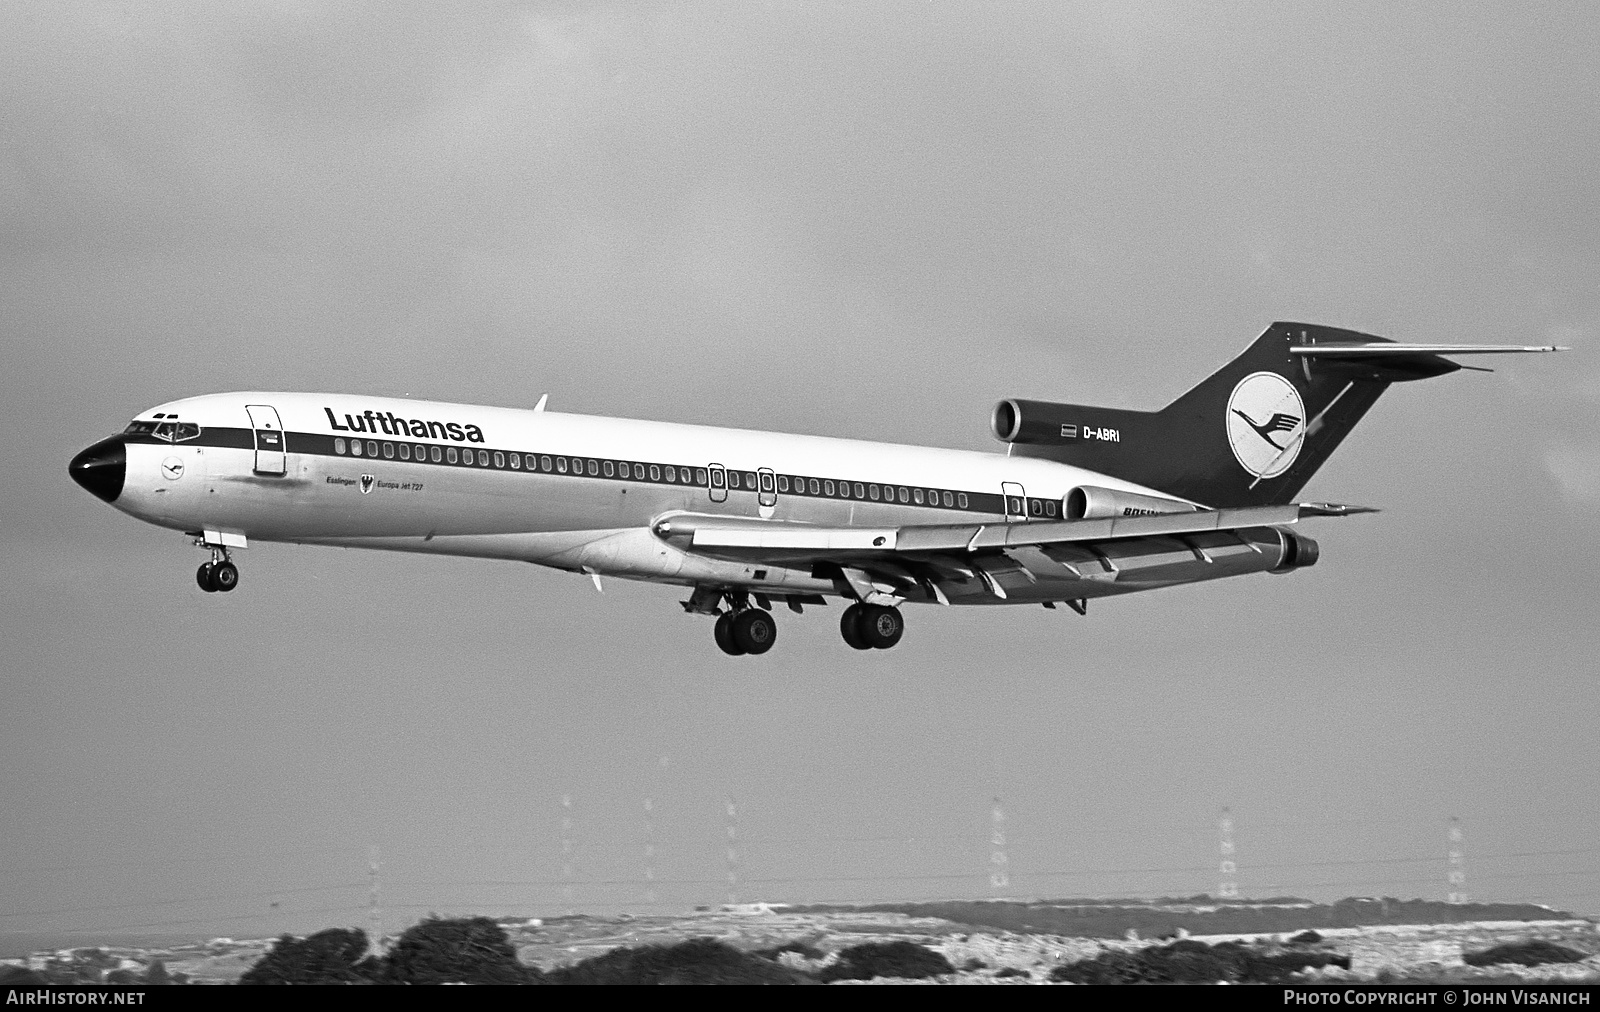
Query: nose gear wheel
point(220, 574)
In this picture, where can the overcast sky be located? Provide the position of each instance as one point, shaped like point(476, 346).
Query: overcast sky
point(856, 220)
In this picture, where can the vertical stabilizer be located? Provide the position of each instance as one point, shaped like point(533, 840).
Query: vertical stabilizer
point(1250, 434)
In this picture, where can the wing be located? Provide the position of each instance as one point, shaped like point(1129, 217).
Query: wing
point(913, 561)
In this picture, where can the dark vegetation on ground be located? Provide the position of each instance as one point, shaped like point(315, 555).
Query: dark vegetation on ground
point(1190, 962)
point(1011, 971)
point(468, 950)
point(334, 956)
point(886, 959)
point(697, 961)
point(1113, 918)
point(1531, 952)
point(477, 951)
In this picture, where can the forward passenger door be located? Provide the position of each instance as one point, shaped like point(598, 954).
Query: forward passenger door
point(270, 449)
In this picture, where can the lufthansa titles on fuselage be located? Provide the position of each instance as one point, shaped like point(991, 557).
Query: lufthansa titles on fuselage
point(392, 424)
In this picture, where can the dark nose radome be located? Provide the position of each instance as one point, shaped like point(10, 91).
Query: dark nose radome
point(101, 468)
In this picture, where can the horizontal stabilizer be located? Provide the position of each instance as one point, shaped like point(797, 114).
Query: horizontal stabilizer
point(1371, 349)
point(1394, 362)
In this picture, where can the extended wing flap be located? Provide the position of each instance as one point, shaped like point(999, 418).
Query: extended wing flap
point(1066, 531)
point(749, 536)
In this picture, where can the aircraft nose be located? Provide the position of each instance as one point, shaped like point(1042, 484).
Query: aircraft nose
point(101, 468)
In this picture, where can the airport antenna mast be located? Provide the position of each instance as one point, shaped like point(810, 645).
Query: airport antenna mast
point(566, 853)
point(1227, 868)
point(374, 911)
point(733, 853)
point(1455, 863)
point(649, 852)
point(999, 864)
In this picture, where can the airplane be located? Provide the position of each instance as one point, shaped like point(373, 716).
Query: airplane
point(1086, 502)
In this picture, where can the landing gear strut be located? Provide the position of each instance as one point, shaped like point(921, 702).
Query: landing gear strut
point(871, 626)
point(218, 574)
point(744, 629)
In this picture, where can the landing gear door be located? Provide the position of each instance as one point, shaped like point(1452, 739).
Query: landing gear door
point(718, 485)
point(1016, 502)
point(270, 457)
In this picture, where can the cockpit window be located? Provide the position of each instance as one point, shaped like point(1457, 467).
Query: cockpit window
point(172, 432)
point(177, 432)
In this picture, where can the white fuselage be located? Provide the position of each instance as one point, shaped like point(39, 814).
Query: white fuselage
point(520, 497)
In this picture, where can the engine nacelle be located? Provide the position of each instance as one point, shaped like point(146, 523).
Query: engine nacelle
point(1299, 552)
point(1020, 421)
point(1086, 502)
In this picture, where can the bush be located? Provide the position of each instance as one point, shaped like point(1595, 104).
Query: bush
point(334, 956)
point(886, 959)
point(1011, 971)
point(698, 961)
point(467, 950)
point(1190, 962)
point(1307, 937)
point(1531, 952)
point(21, 976)
point(973, 965)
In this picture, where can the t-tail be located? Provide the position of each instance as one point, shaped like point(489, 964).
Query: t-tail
point(1250, 434)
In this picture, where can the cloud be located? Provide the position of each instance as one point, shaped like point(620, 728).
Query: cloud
point(1576, 470)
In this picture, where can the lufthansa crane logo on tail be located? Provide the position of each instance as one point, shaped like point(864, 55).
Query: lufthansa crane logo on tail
point(1266, 424)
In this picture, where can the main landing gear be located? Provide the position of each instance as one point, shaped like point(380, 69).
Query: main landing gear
point(747, 627)
point(745, 631)
point(871, 626)
point(218, 574)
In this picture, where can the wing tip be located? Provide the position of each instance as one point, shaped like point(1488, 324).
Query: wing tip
point(1333, 509)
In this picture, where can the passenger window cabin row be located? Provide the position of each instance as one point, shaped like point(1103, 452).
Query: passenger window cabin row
point(670, 474)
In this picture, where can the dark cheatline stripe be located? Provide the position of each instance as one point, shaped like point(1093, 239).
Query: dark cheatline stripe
point(238, 439)
point(321, 445)
point(309, 442)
